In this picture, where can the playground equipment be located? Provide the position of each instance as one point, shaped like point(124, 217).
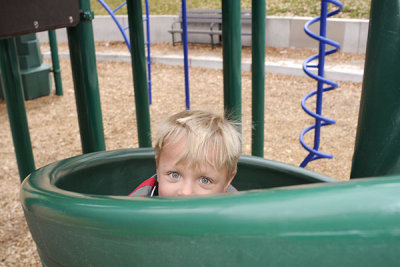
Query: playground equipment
point(123, 29)
point(78, 203)
point(55, 61)
point(185, 54)
point(34, 72)
point(322, 81)
point(377, 145)
point(78, 213)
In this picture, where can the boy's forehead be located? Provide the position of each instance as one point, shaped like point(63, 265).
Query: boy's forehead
point(174, 143)
point(205, 158)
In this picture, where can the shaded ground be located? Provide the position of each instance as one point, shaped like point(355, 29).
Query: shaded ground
point(55, 134)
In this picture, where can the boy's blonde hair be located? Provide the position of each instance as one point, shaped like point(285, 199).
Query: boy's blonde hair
point(206, 134)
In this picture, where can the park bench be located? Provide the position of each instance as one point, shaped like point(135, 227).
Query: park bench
point(209, 19)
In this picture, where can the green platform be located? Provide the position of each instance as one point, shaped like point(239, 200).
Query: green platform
point(35, 74)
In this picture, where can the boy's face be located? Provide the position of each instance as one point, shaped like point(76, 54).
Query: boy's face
point(181, 179)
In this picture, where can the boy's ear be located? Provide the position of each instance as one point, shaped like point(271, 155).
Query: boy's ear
point(231, 179)
point(156, 160)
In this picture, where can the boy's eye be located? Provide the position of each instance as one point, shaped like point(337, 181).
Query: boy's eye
point(205, 180)
point(174, 175)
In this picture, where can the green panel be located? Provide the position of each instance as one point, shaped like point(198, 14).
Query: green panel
point(325, 224)
point(377, 148)
point(35, 75)
point(26, 38)
point(32, 58)
point(29, 55)
point(36, 81)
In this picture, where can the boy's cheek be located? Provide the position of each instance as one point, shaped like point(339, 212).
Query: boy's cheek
point(165, 189)
point(165, 193)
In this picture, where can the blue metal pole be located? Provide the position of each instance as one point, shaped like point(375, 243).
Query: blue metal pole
point(321, 73)
point(148, 51)
point(185, 53)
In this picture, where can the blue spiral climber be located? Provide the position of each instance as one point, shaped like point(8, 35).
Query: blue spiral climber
point(323, 83)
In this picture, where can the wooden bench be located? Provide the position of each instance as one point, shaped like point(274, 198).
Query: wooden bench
point(210, 17)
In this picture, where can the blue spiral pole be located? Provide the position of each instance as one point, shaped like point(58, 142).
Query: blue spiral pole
point(148, 62)
point(323, 84)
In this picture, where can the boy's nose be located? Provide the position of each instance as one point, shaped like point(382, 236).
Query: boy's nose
point(185, 189)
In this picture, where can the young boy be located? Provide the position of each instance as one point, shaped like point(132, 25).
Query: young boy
point(196, 153)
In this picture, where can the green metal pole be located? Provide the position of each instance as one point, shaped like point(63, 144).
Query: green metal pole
point(135, 19)
point(84, 72)
point(55, 62)
point(13, 94)
point(258, 76)
point(377, 147)
point(232, 55)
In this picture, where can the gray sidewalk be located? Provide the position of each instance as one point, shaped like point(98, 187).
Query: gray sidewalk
point(337, 72)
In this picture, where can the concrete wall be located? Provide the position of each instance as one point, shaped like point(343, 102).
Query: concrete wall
point(351, 34)
point(280, 32)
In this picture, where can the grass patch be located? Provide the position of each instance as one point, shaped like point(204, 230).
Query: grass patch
point(304, 8)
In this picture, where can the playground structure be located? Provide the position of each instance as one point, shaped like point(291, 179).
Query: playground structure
point(320, 121)
point(34, 72)
point(267, 223)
